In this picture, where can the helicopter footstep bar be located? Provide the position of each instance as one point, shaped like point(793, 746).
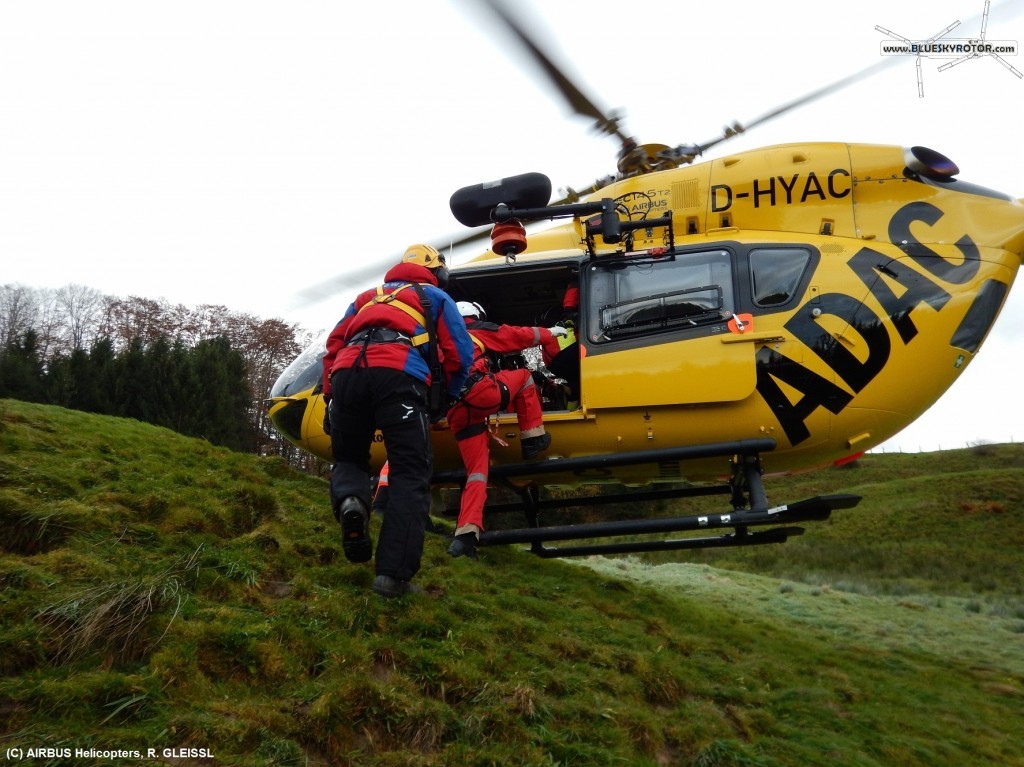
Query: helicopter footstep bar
point(748, 499)
point(812, 509)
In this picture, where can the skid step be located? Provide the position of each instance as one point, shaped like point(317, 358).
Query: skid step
point(811, 509)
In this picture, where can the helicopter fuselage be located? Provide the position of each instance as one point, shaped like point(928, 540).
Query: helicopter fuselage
point(819, 295)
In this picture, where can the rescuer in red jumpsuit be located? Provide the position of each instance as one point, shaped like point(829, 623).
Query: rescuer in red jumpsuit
point(489, 391)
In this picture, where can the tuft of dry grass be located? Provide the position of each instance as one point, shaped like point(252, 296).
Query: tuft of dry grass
point(113, 619)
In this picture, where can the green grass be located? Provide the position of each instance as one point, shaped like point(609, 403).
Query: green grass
point(158, 592)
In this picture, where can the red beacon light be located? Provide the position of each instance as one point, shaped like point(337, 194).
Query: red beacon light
point(508, 239)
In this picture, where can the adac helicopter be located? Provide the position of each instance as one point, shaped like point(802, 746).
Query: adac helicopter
point(766, 312)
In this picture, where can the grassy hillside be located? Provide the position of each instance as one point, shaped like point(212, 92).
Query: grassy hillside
point(159, 593)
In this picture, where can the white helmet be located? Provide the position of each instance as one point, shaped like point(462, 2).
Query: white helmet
point(471, 309)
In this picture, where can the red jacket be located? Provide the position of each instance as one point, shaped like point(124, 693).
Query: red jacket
point(504, 339)
point(455, 348)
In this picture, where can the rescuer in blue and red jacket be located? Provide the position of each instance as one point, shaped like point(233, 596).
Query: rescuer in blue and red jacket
point(377, 375)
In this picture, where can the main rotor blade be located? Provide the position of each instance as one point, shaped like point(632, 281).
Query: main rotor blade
point(1009, 9)
point(806, 99)
point(572, 93)
point(358, 277)
point(343, 282)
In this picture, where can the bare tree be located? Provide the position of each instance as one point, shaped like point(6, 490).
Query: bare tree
point(212, 320)
point(83, 311)
point(134, 318)
point(49, 326)
point(19, 306)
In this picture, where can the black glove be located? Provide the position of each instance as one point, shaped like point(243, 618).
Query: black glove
point(327, 416)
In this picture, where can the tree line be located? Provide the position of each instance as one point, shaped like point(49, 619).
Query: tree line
point(200, 371)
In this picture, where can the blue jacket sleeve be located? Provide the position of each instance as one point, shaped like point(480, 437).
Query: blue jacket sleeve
point(454, 344)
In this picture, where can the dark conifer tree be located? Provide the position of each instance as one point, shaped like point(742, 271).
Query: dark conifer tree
point(223, 407)
point(130, 387)
point(103, 371)
point(58, 382)
point(21, 369)
point(186, 390)
point(159, 383)
point(81, 382)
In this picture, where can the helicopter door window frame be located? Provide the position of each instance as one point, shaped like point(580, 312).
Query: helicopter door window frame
point(629, 300)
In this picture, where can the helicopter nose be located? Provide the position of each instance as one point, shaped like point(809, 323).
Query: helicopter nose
point(929, 163)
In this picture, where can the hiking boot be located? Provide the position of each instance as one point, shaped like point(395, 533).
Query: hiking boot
point(463, 545)
point(390, 588)
point(355, 530)
point(534, 446)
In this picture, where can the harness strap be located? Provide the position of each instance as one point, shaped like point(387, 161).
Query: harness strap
point(506, 395)
point(478, 343)
point(361, 361)
point(471, 381)
point(471, 431)
point(493, 429)
point(389, 299)
point(379, 336)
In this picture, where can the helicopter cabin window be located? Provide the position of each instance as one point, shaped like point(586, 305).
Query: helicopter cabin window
point(636, 297)
point(775, 274)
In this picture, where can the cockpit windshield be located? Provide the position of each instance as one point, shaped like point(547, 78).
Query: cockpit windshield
point(304, 373)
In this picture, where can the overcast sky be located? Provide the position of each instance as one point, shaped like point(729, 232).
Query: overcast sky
point(235, 153)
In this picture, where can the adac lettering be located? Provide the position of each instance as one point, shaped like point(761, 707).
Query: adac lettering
point(780, 190)
point(899, 290)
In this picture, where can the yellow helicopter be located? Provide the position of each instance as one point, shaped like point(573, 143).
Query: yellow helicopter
point(766, 312)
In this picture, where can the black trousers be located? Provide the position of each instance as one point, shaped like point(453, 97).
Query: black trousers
point(362, 401)
point(566, 365)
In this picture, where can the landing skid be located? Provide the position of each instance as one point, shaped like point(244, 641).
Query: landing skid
point(745, 488)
